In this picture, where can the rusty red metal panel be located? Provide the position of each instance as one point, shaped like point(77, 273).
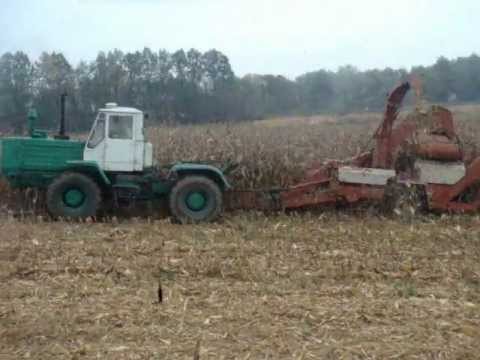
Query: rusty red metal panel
point(336, 192)
point(442, 120)
point(354, 193)
point(446, 197)
point(319, 174)
point(308, 195)
point(439, 151)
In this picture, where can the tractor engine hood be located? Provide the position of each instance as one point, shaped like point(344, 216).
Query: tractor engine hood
point(28, 161)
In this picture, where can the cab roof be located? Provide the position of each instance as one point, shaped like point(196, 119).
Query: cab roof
point(120, 109)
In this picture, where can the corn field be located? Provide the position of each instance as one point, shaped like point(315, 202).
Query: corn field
point(277, 152)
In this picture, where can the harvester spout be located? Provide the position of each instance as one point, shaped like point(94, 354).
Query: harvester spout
point(382, 155)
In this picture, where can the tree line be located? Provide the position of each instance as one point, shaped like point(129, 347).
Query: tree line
point(194, 87)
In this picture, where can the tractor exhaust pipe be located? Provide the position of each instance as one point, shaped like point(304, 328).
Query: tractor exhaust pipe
point(61, 133)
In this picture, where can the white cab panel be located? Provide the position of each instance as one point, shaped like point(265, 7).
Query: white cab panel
point(148, 155)
point(122, 144)
point(436, 172)
point(366, 176)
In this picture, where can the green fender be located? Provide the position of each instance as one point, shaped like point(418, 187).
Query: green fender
point(91, 168)
point(202, 169)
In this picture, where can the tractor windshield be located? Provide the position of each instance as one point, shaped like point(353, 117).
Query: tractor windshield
point(98, 133)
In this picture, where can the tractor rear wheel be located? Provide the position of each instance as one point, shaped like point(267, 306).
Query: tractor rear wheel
point(73, 195)
point(195, 199)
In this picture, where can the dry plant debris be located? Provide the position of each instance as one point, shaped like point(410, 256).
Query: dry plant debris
point(328, 286)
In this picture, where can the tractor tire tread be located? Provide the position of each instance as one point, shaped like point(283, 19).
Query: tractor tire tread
point(192, 181)
point(53, 197)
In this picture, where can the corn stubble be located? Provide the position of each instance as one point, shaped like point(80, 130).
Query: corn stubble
point(325, 285)
point(281, 287)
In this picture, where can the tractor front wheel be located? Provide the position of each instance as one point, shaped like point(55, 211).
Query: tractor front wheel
point(73, 196)
point(195, 199)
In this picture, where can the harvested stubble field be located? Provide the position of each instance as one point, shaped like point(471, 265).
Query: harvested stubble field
point(250, 287)
point(300, 286)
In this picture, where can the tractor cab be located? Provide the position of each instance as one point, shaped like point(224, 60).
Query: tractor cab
point(117, 142)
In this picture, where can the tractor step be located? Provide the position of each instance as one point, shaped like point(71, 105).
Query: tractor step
point(125, 192)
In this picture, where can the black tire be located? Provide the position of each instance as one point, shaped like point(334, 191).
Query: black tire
point(86, 191)
point(199, 186)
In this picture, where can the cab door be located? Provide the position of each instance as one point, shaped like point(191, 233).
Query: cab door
point(120, 143)
point(96, 144)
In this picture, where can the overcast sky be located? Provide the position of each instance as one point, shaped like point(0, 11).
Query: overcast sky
point(286, 37)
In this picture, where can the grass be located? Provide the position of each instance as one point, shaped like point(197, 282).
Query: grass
point(320, 285)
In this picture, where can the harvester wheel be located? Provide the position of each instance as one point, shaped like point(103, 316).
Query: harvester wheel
point(73, 195)
point(195, 199)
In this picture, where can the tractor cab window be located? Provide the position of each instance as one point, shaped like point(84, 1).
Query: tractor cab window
point(120, 127)
point(98, 133)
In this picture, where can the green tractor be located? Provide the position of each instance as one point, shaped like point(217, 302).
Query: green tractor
point(113, 168)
